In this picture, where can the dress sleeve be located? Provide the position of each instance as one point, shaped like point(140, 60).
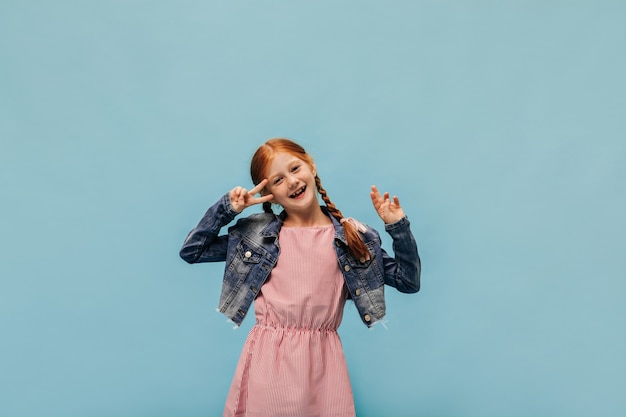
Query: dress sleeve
point(203, 243)
point(403, 270)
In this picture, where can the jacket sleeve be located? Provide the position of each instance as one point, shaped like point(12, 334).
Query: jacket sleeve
point(402, 271)
point(203, 243)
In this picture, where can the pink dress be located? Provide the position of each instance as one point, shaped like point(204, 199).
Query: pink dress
point(292, 364)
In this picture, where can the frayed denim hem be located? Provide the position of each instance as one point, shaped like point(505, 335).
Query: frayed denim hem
point(235, 327)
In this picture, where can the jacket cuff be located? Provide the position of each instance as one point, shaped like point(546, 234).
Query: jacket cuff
point(403, 222)
point(228, 205)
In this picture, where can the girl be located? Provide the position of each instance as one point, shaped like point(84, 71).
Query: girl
point(298, 267)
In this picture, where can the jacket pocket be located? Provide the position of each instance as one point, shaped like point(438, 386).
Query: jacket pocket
point(369, 270)
point(246, 257)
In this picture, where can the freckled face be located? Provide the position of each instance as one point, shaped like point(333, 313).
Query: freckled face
point(292, 182)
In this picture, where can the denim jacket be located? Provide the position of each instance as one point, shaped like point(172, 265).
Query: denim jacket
point(251, 249)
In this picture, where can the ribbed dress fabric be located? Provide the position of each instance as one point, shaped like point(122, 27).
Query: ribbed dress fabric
point(292, 363)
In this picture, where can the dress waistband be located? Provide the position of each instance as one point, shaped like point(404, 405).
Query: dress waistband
point(289, 329)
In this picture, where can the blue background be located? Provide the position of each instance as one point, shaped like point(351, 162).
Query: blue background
point(499, 124)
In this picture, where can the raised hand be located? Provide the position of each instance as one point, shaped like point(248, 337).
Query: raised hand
point(241, 198)
point(388, 210)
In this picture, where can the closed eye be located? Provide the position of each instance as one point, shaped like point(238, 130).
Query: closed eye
point(295, 168)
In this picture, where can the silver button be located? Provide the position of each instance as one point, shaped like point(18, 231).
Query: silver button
point(248, 254)
point(347, 268)
point(367, 317)
point(358, 291)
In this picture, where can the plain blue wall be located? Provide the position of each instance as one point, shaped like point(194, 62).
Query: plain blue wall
point(499, 124)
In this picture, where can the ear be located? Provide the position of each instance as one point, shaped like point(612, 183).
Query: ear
point(314, 170)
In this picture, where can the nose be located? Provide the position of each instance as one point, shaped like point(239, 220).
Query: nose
point(292, 181)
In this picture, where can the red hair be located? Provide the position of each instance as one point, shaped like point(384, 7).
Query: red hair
point(262, 159)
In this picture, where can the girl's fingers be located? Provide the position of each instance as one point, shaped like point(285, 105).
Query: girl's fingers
point(263, 199)
point(258, 187)
point(234, 194)
point(240, 191)
point(375, 195)
point(243, 198)
point(387, 208)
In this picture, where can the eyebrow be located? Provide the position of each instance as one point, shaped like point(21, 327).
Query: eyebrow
point(289, 165)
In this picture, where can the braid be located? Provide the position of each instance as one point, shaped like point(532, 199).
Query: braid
point(331, 207)
point(355, 245)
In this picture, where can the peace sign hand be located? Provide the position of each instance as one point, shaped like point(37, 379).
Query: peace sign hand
point(241, 198)
point(389, 211)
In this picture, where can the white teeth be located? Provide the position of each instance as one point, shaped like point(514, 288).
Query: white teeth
point(297, 193)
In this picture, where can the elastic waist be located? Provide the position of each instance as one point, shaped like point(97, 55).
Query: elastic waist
point(288, 329)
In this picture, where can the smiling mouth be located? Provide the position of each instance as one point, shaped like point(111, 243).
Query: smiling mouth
point(298, 193)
